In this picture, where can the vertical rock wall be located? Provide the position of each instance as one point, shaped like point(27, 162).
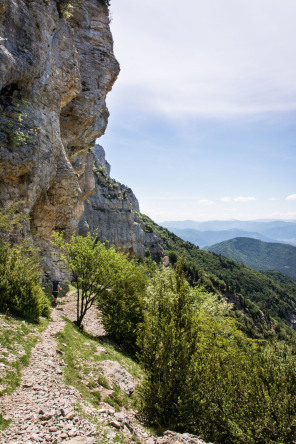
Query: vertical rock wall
point(112, 211)
point(55, 74)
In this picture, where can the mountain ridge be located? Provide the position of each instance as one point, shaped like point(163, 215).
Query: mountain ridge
point(259, 255)
point(211, 232)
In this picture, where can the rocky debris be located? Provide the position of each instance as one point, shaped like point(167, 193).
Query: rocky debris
point(91, 321)
point(79, 440)
point(41, 409)
point(178, 438)
point(115, 373)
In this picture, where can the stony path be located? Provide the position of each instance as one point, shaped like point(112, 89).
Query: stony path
point(41, 409)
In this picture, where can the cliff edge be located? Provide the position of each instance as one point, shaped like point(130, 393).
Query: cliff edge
point(56, 68)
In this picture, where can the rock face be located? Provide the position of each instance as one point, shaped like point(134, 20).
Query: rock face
point(56, 68)
point(112, 211)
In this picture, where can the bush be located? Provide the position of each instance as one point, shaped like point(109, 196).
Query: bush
point(122, 307)
point(110, 279)
point(20, 289)
point(20, 284)
point(203, 376)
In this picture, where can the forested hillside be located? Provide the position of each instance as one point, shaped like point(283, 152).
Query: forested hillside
point(262, 304)
point(259, 255)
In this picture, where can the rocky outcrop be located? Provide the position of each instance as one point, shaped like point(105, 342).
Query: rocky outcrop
point(55, 73)
point(57, 66)
point(112, 211)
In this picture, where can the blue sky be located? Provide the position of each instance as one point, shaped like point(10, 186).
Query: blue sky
point(203, 113)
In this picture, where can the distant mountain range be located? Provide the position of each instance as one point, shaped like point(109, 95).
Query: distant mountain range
point(259, 255)
point(211, 232)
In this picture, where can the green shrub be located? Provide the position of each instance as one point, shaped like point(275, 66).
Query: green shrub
point(205, 377)
point(20, 289)
point(122, 307)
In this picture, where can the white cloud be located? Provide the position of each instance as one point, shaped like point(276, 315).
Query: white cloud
point(272, 198)
point(206, 202)
point(285, 215)
point(244, 199)
point(291, 197)
point(210, 58)
point(225, 199)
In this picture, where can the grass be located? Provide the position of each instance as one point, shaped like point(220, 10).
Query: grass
point(17, 338)
point(82, 354)
point(4, 422)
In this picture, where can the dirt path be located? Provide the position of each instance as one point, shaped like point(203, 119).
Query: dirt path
point(41, 408)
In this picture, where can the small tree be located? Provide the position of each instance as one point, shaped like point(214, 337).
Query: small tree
point(104, 275)
point(92, 265)
point(167, 343)
point(123, 306)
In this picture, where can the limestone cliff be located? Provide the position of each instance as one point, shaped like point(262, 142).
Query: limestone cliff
point(56, 68)
point(112, 210)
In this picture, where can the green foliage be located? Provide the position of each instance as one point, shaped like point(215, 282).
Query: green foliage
point(83, 370)
point(66, 7)
point(4, 422)
point(122, 306)
point(251, 292)
point(108, 277)
point(20, 285)
point(17, 127)
point(205, 377)
point(259, 255)
point(166, 342)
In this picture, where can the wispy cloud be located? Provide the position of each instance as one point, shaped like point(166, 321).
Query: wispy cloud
point(242, 67)
point(244, 199)
point(291, 197)
point(206, 202)
point(285, 215)
point(237, 199)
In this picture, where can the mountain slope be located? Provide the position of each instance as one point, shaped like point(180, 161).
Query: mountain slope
point(259, 255)
point(263, 306)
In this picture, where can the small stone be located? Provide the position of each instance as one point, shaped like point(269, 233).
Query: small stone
point(53, 429)
point(72, 433)
point(115, 424)
point(70, 416)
